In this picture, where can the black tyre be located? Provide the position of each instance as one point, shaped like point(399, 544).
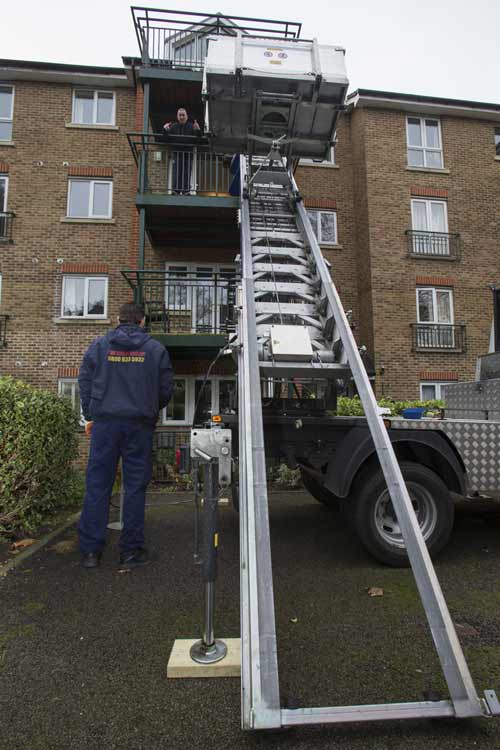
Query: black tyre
point(318, 491)
point(375, 522)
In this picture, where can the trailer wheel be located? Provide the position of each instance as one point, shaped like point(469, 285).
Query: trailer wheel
point(318, 491)
point(375, 522)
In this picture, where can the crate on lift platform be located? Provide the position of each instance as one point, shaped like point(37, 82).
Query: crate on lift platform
point(271, 88)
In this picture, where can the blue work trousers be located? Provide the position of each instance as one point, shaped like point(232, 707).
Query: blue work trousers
point(110, 439)
point(181, 171)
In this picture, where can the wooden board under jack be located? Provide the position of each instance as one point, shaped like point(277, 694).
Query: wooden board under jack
point(180, 663)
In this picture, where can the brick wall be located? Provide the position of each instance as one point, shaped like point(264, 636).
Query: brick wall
point(45, 153)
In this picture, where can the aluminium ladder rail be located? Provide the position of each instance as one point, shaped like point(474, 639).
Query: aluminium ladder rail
point(291, 236)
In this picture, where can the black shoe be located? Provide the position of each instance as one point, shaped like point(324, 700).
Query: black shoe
point(136, 558)
point(90, 559)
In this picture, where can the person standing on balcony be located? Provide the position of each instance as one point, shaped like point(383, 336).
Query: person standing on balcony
point(125, 380)
point(183, 154)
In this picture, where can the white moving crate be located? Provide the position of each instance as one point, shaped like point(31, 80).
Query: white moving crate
point(249, 82)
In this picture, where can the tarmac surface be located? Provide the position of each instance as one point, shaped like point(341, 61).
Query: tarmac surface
point(83, 654)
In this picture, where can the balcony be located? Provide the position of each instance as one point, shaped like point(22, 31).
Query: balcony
point(439, 245)
point(6, 221)
point(178, 40)
point(180, 166)
point(3, 331)
point(438, 337)
point(186, 309)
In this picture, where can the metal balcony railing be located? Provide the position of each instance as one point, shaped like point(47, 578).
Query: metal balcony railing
point(433, 244)
point(6, 220)
point(176, 39)
point(3, 331)
point(176, 165)
point(439, 337)
point(184, 301)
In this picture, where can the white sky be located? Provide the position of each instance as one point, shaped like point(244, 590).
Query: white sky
point(447, 48)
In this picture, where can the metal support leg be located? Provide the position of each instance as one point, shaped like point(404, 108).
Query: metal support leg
point(209, 650)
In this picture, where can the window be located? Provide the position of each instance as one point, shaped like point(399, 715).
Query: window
point(424, 143)
point(6, 111)
point(84, 297)
point(68, 388)
point(176, 411)
point(90, 199)
point(324, 224)
point(0, 288)
point(218, 397)
point(329, 160)
point(199, 297)
point(4, 186)
point(432, 391)
point(93, 107)
point(430, 226)
point(435, 318)
point(497, 142)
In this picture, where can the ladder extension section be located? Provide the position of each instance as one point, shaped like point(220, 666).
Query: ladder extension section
point(286, 281)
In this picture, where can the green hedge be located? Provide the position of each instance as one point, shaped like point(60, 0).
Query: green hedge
point(351, 407)
point(38, 443)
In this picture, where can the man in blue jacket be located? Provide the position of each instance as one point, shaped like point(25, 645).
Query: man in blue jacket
point(125, 379)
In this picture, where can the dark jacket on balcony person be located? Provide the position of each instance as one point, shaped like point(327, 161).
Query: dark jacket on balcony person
point(125, 380)
point(182, 158)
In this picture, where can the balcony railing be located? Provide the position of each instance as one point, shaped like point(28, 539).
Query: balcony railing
point(184, 301)
point(177, 39)
point(3, 331)
point(6, 220)
point(438, 337)
point(433, 244)
point(178, 165)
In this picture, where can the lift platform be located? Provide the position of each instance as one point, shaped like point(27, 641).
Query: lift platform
point(271, 88)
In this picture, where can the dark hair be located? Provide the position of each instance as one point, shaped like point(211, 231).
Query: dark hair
point(131, 313)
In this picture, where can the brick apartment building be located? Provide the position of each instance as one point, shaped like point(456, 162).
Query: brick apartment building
point(406, 210)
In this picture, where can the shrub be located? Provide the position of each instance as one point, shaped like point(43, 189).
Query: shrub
point(38, 444)
point(352, 407)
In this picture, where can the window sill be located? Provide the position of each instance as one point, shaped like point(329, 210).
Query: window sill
point(305, 163)
point(8, 144)
point(433, 170)
point(330, 247)
point(88, 126)
point(86, 321)
point(82, 220)
point(422, 256)
point(497, 158)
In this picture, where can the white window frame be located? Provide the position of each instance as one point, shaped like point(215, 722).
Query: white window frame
point(96, 93)
point(5, 177)
point(442, 244)
point(192, 268)
point(428, 203)
point(434, 290)
point(421, 337)
point(496, 136)
point(93, 183)
point(11, 118)
point(318, 212)
point(85, 296)
point(74, 385)
point(424, 148)
point(438, 384)
point(330, 162)
point(190, 391)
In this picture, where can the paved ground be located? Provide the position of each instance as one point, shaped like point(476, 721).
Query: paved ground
point(83, 653)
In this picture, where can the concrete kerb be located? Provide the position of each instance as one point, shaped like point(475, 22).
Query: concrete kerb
point(173, 498)
point(18, 559)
